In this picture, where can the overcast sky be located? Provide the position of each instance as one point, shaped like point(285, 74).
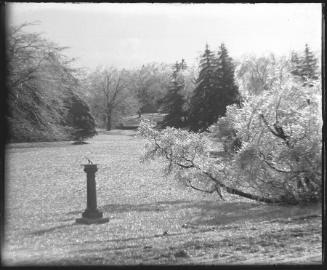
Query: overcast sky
point(128, 35)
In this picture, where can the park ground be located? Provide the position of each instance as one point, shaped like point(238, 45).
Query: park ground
point(153, 218)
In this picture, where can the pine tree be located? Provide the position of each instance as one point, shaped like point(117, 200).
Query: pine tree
point(295, 64)
point(309, 64)
point(174, 101)
point(200, 114)
point(226, 89)
point(215, 89)
point(80, 119)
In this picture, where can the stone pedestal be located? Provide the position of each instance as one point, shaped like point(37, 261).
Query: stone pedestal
point(91, 214)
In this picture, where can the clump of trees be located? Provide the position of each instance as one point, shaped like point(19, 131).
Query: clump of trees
point(114, 94)
point(212, 90)
point(305, 66)
point(42, 88)
point(150, 82)
point(271, 138)
point(215, 89)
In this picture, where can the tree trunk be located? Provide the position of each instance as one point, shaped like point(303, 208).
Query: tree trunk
point(108, 123)
point(251, 196)
point(241, 193)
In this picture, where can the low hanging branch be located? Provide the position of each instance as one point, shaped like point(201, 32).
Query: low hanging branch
point(188, 164)
point(277, 131)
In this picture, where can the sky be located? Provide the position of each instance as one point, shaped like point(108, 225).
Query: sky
point(129, 35)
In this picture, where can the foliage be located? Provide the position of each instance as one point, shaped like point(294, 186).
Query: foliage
point(227, 93)
point(150, 82)
point(280, 131)
point(41, 85)
point(253, 74)
point(279, 159)
point(199, 114)
point(81, 119)
point(257, 74)
point(305, 66)
point(215, 89)
point(173, 102)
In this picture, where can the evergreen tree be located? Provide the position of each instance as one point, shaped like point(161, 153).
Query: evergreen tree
point(304, 67)
point(309, 64)
point(226, 89)
point(80, 119)
point(173, 102)
point(215, 89)
point(200, 113)
point(295, 64)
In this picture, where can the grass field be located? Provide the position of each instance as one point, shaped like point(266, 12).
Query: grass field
point(153, 219)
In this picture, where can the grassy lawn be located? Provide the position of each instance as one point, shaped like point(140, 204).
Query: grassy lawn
point(153, 219)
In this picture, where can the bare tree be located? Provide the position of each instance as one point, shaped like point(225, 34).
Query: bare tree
point(110, 95)
point(113, 88)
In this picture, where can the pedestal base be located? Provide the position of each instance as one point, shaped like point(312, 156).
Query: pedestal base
point(84, 220)
point(92, 214)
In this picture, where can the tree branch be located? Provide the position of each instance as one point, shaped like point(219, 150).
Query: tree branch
point(279, 131)
point(219, 183)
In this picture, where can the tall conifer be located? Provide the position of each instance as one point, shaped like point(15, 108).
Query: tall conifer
point(226, 89)
point(199, 114)
point(174, 101)
point(215, 89)
point(309, 64)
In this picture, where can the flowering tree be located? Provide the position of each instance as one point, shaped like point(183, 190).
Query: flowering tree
point(272, 146)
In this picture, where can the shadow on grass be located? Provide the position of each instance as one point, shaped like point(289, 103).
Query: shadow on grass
point(130, 239)
point(119, 132)
point(30, 145)
point(145, 207)
point(221, 213)
point(217, 212)
point(49, 230)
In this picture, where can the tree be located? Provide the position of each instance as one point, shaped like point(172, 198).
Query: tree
point(214, 91)
point(279, 160)
point(295, 64)
point(305, 66)
point(173, 102)
point(226, 90)
point(80, 118)
point(41, 83)
point(308, 65)
point(110, 95)
point(253, 74)
point(150, 83)
point(200, 114)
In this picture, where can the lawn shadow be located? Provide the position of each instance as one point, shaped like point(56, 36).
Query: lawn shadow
point(49, 230)
point(75, 212)
point(144, 207)
point(222, 213)
point(212, 213)
point(31, 145)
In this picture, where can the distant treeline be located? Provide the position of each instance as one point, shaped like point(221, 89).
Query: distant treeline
point(49, 100)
